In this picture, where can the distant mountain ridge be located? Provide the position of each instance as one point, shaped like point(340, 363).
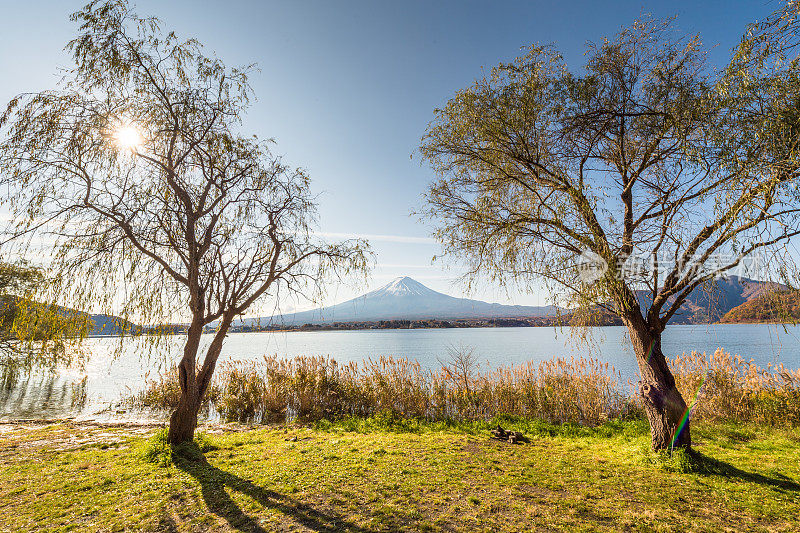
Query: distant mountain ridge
point(73, 321)
point(708, 304)
point(715, 302)
point(110, 325)
point(780, 306)
point(405, 299)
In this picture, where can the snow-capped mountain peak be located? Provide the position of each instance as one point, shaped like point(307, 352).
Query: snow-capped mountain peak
point(405, 286)
point(407, 299)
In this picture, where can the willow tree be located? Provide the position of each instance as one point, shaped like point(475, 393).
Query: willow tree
point(132, 180)
point(16, 282)
point(33, 334)
point(647, 164)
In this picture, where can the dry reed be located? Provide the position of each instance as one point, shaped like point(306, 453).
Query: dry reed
point(725, 387)
point(582, 390)
point(164, 393)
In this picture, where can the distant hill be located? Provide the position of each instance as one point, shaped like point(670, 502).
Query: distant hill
point(729, 300)
point(710, 303)
point(779, 306)
point(405, 299)
point(73, 320)
point(111, 325)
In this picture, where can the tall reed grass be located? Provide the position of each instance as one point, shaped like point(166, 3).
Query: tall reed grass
point(585, 391)
point(164, 393)
point(725, 387)
point(578, 390)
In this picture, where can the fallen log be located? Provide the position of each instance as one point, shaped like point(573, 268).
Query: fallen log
point(512, 437)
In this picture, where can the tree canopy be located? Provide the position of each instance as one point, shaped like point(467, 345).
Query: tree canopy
point(662, 172)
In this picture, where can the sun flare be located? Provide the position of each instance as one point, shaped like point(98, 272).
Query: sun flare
point(128, 137)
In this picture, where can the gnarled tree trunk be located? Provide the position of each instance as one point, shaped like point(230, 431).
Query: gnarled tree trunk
point(194, 385)
point(183, 420)
point(664, 406)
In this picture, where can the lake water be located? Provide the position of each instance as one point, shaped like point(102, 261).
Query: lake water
point(106, 378)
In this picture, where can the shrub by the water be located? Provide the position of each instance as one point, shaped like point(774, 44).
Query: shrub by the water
point(158, 451)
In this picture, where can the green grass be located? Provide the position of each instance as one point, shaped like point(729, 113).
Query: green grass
point(384, 474)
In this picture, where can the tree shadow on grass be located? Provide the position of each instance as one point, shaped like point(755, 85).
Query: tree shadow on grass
point(705, 465)
point(213, 483)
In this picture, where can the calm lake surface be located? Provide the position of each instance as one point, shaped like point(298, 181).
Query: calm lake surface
point(94, 392)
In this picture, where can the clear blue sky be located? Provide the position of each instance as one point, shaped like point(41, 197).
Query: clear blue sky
point(347, 88)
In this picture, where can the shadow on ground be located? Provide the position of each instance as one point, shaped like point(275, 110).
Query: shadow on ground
point(214, 482)
point(705, 465)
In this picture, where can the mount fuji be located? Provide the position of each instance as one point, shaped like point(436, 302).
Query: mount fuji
point(406, 299)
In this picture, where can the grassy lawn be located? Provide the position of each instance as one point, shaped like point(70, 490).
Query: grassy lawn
point(374, 476)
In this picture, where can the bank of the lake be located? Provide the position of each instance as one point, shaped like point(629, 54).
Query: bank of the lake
point(366, 476)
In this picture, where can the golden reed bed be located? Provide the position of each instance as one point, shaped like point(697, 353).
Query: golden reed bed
point(720, 387)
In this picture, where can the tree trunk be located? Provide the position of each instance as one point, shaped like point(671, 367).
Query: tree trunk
point(665, 407)
point(194, 385)
point(183, 420)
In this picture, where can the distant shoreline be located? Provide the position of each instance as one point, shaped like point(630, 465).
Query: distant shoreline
point(453, 324)
point(534, 322)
